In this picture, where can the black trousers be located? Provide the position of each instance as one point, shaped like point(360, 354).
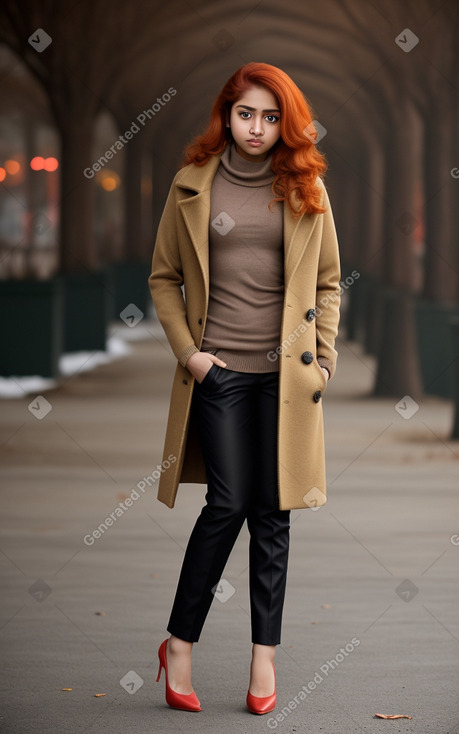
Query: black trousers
point(237, 420)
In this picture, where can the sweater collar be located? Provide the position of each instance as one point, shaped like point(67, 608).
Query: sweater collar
point(236, 169)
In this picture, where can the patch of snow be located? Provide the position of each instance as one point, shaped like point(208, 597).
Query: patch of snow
point(69, 364)
point(18, 387)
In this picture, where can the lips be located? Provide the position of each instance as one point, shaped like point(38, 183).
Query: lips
point(254, 141)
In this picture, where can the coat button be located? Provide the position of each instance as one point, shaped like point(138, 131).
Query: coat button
point(317, 395)
point(307, 357)
point(200, 321)
point(311, 314)
point(185, 382)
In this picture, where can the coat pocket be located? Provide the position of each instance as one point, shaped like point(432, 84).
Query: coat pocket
point(322, 376)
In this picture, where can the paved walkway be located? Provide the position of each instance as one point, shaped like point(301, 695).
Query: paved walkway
point(371, 621)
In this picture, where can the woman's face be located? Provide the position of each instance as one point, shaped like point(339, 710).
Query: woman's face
point(255, 123)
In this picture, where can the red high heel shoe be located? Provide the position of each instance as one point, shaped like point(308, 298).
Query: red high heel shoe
point(185, 702)
point(262, 704)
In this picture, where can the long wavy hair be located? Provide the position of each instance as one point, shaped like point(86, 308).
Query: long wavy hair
point(296, 162)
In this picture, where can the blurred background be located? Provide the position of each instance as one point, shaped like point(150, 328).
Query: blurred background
point(98, 100)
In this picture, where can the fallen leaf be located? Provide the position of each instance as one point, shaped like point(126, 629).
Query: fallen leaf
point(67, 689)
point(393, 716)
point(98, 695)
point(325, 606)
point(100, 614)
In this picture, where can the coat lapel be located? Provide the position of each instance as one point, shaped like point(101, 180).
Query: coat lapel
point(195, 210)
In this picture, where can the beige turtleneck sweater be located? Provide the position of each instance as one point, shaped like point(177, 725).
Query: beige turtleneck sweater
point(245, 265)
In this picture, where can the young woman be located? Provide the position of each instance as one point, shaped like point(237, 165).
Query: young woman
point(248, 231)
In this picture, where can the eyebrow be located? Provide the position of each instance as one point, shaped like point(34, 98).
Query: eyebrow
point(254, 109)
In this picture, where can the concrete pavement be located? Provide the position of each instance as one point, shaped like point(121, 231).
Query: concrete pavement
point(371, 620)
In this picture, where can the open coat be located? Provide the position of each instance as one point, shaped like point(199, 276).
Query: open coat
point(309, 327)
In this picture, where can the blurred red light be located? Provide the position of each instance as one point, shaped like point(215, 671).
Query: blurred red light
point(50, 164)
point(12, 167)
point(37, 163)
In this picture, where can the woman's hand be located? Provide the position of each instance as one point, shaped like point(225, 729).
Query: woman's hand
point(200, 363)
point(326, 373)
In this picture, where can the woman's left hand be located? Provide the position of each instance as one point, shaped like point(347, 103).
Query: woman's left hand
point(326, 373)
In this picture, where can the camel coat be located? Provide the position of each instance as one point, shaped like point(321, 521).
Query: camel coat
point(309, 326)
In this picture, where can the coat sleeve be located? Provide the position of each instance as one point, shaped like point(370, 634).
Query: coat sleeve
point(166, 282)
point(328, 291)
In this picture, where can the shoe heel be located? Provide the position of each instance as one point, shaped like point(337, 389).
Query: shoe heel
point(159, 669)
point(159, 673)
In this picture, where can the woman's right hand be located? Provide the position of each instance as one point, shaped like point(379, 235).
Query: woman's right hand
point(200, 363)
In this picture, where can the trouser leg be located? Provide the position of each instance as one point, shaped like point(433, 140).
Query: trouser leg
point(225, 411)
point(268, 526)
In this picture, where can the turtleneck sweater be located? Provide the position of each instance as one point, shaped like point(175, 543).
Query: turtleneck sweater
point(246, 257)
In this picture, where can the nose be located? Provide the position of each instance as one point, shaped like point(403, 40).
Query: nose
point(257, 126)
